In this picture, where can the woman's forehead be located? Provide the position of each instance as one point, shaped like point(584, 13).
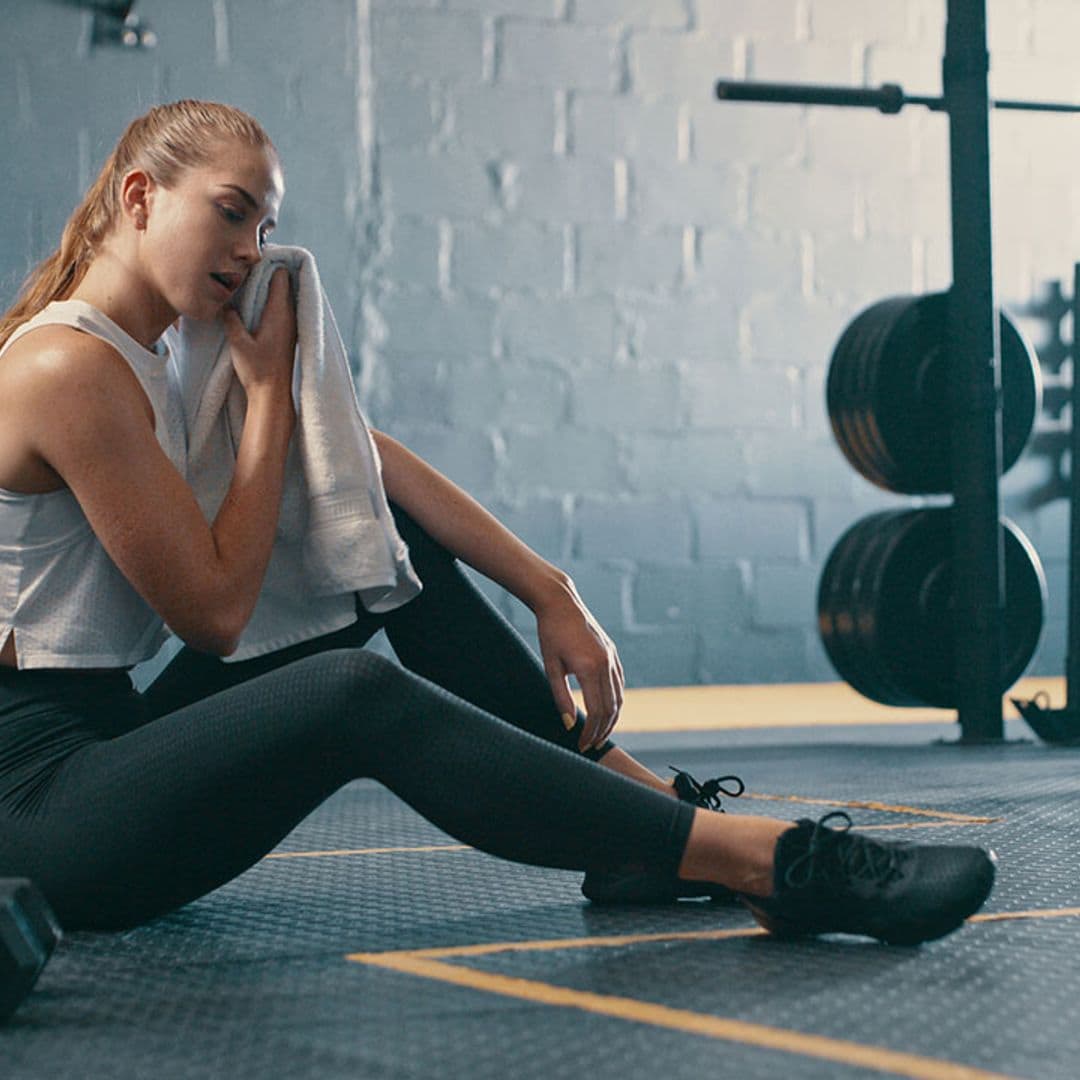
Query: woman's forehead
point(254, 170)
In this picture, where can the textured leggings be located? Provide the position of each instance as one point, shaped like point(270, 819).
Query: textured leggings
point(124, 806)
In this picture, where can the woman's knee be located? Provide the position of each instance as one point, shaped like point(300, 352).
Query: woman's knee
point(342, 679)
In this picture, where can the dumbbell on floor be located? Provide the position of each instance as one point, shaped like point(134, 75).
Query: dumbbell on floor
point(29, 933)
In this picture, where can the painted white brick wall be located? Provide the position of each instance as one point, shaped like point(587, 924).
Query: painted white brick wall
point(597, 298)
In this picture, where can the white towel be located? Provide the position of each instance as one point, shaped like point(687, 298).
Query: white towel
point(336, 536)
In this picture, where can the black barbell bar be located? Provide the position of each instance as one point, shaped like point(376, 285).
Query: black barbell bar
point(888, 98)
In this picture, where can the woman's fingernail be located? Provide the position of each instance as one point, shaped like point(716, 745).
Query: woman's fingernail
point(567, 721)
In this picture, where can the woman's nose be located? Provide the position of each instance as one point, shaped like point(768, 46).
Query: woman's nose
point(248, 248)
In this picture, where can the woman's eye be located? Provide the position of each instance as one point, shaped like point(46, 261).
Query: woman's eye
point(231, 215)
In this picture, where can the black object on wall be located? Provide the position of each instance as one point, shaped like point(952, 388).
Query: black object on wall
point(1062, 726)
point(115, 23)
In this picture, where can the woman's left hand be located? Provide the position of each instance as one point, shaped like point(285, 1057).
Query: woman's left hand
point(572, 642)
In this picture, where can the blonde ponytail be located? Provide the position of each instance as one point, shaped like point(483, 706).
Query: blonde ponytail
point(164, 141)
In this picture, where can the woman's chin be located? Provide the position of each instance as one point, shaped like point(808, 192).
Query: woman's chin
point(202, 309)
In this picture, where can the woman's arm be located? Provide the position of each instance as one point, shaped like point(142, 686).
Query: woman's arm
point(83, 413)
point(571, 640)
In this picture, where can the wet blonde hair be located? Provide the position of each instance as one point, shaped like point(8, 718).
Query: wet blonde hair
point(165, 141)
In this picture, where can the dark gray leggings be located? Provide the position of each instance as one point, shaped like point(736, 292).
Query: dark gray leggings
point(124, 806)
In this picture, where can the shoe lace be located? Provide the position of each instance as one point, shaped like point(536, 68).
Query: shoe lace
point(837, 855)
point(707, 794)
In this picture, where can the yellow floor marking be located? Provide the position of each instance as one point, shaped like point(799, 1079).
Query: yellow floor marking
point(615, 941)
point(561, 944)
point(430, 964)
point(714, 1027)
point(1045, 913)
point(922, 825)
point(859, 804)
point(366, 851)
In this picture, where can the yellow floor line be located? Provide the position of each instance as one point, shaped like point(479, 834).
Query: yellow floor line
point(1044, 913)
point(762, 1036)
point(431, 964)
point(924, 825)
point(614, 941)
point(860, 804)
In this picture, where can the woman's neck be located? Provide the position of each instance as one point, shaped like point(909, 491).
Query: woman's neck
point(113, 287)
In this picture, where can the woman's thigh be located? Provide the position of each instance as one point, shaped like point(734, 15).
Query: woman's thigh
point(138, 824)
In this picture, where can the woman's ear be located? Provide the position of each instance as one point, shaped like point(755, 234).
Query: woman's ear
point(136, 196)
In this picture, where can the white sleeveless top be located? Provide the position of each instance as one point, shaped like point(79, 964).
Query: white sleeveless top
point(65, 599)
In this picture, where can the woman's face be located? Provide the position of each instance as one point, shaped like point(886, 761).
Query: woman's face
point(203, 235)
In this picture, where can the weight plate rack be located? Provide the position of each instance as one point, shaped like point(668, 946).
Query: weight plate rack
point(970, 377)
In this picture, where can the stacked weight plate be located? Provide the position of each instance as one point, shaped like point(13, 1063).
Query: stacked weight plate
point(888, 399)
point(885, 607)
point(885, 601)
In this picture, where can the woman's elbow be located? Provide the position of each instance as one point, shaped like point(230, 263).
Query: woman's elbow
point(218, 635)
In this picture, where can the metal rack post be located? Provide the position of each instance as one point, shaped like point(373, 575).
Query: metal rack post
point(974, 381)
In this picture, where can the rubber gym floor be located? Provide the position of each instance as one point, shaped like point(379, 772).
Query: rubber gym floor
point(372, 945)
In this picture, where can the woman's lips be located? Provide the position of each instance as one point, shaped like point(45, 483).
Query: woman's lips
point(227, 287)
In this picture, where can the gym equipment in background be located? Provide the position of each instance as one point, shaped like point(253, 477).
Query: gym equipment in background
point(1062, 726)
point(885, 607)
point(972, 382)
point(887, 394)
point(886, 601)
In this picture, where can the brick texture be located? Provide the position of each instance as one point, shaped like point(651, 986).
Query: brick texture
point(594, 296)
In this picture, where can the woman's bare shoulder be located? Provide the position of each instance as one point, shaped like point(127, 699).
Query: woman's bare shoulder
point(54, 360)
point(55, 350)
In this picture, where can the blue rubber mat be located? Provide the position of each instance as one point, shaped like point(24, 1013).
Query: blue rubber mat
point(373, 945)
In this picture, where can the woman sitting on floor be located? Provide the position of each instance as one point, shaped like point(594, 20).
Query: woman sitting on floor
point(123, 806)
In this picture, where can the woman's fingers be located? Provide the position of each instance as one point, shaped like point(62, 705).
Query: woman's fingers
point(601, 711)
point(279, 314)
point(560, 690)
point(235, 329)
point(572, 643)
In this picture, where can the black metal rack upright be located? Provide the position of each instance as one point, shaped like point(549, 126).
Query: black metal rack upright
point(975, 381)
point(972, 336)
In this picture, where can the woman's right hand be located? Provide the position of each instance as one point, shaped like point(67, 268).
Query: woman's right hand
point(265, 358)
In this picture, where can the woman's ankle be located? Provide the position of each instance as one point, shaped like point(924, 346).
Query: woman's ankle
point(621, 762)
point(736, 851)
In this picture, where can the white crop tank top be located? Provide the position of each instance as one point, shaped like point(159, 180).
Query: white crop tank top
point(65, 600)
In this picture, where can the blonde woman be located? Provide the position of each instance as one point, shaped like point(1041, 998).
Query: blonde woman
point(122, 805)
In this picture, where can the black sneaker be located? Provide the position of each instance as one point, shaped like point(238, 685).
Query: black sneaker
point(834, 881)
point(643, 885)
